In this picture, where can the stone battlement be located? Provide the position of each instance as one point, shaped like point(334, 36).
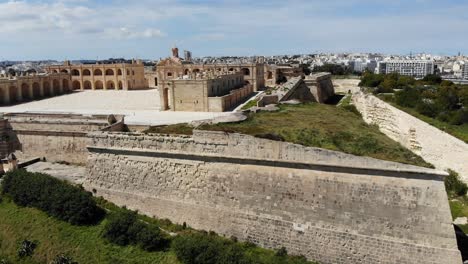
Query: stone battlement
point(329, 206)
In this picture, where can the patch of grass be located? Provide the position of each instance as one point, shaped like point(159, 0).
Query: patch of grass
point(180, 129)
point(82, 243)
point(460, 132)
point(250, 104)
point(323, 126)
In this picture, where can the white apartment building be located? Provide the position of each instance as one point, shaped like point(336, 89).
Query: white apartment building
point(465, 71)
point(414, 68)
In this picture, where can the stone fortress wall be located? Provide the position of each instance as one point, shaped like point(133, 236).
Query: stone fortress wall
point(119, 76)
point(432, 144)
point(17, 89)
point(329, 206)
point(58, 138)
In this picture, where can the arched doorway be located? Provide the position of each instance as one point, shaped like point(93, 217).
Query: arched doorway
point(98, 72)
point(2, 97)
point(25, 92)
point(186, 72)
point(36, 90)
point(269, 75)
point(64, 71)
point(120, 87)
point(75, 72)
point(76, 85)
point(119, 72)
point(98, 85)
point(13, 94)
point(246, 71)
point(46, 86)
point(86, 72)
point(56, 86)
point(110, 85)
point(65, 85)
point(87, 85)
point(109, 72)
point(156, 81)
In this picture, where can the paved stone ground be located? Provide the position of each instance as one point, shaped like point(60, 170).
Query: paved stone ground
point(140, 107)
point(71, 173)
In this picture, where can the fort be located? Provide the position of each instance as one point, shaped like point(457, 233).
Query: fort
point(120, 76)
point(329, 206)
point(17, 89)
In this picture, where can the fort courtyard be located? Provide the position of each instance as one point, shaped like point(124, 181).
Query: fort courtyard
point(141, 107)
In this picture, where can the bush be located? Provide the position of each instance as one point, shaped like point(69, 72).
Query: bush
point(26, 248)
point(454, 186)
point(197, 248)
point(123, 228)
point(460, 117)
point(57, 198)
point(427, 109)
point(408, 97)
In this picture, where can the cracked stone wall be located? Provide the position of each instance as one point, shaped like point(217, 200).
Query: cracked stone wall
point(329, 206)
point(432, 144)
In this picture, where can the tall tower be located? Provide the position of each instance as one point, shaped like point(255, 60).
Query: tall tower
point(175, 52)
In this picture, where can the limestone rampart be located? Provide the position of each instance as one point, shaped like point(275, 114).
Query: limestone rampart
point(56, 137)
point(432, 144)
point(329, 206)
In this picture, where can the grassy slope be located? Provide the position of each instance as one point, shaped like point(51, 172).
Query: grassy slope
point(459, 208)
point(460, 132)
point(317, 125)
point(55, 237)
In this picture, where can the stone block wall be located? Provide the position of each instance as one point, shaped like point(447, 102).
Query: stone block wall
point(432, 144)
point(329, 206)
point(58, 138)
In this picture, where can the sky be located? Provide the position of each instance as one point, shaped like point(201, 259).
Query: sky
point(148, 29)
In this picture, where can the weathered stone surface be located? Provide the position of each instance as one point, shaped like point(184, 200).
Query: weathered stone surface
point(326, 205)
point(432, 144)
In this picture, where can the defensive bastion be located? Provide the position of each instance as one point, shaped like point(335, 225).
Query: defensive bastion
point(329, 206)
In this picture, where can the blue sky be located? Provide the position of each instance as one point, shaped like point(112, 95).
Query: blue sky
point(85, 29)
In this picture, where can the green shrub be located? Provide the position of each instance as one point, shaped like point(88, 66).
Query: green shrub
point(460, 117)
point(57, 198)
point(426, 108)
point(454, 186)
point(408, 97)
point(198, 248)
point(123, 228)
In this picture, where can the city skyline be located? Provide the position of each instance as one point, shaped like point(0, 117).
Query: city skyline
point(82, 29)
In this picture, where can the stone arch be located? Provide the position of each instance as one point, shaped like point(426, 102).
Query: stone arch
point(119, 72)
point(76, 85)
point(64, 71)
point(46, 86)
point(156, 81)
point(245, 71)
point(98, 85)
point(25, 93)
point(98, 72)
point(36, 90)
point(186, 72)
point(231, 69)
point(120, 86)
point(109, 72)
point(56, 86)
point(269, 75)
point(86, 72)
point(65, 85)
point(196, 71)
point(169, 74)
point(13, 94)
point(110, 85)
point(87, 85)
point(75, 72)
point(219, 69)
point(55, 71)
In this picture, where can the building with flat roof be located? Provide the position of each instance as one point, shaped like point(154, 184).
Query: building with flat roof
point(175, 67)
point(206, 93)
point(465, 71)
point(118, 76)
point(413, 68)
